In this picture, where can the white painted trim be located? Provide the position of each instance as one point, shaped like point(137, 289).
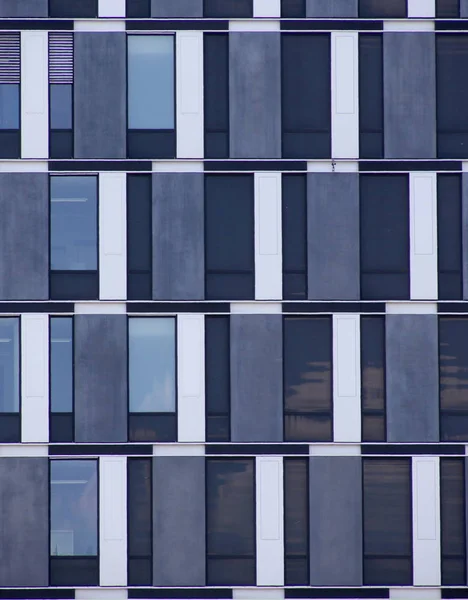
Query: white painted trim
point(421, 8)
point(111, 9)
point(270, 517)
point(113, 520)
point(100, 594)
point(257, 593)
point(256, 308)
point(24, 166)
point(411, 308)
point(339, 166)
point(413, 25)
point(24, 450)
point(177, 166)
point(191, 378)
point(179, 450)
point(96, 25)
point(189, 92)
point(465, 166)
point(254, 25)
point(334, 450)
point(415, 594)
point(345, 94)
point(100, 308)
point(426, 520)
point(267, 9)
point(34, 94)
point(423, 236)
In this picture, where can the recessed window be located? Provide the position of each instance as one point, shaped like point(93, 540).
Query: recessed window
point(61, 95)
point(294, 225)
point(139, 237)
point(452, 520)
point(296, 521)
point(447, 9)
point(373, 379)
point(10, 73)
point(61, 379)
point(140, 521)
point(382, 9)
point(10, 427)
point(449, 236)
point(218, 378)
point(371, 109)
point(216, 94)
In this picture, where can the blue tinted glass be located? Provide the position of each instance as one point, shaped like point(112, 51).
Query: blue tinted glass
point(9, 106)
point(9, 365)
point(152, 365)
point(61, 107)
point(73, 213)
point(151, 82)
point(61, 364)
point(73, 507)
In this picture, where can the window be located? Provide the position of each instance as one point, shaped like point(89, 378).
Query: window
point(152, 381)
point(228, 8)
point(447, 9)
point(384, 217)
point(294, 224)
point(296, 520)
point(74, 522)
point(10, 72)
point(61, 95)
point(308, 407)
point(61, 379)
point(453, 365)
point(151, 93)
point(382, 9)
point(387, 519)
point(73, 233)
point(449, 236)
point(229, 237)
point(138, 9)
point(216, 94)
point(371, 121)
point(73, 10)
point(218, 379)
point(139, 237)
point(140, 521)
point(373, 379)
point(10, 418)
point(293, 9)
point(452, 526)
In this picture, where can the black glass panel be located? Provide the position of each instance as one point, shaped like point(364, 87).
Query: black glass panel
point(294, 224)
point(61, 144)
point(139, 285)
point(139, 485)
point(228, 8)
point(10, 144)
point(61, 427)
point(230, 571)
point(74, 285)
point(373, 379)
point(447, 9)
point(138, 9)
point(139, 237)
point(218, 377)
point(382, 9)
point(230, 286)
point(294, 9)
point(371, 123)
point(152, 427)
point(449, 236)
point(10, 428)
point(140, 571)
point(218, 428)
point(74, 570)
point(311, 427)
point(296, 520)
point(394, 571)
point(216, 94)
point(74, 10)
point(151, 144)
point(452, 509)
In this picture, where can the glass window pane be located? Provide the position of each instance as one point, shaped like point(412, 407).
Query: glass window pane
point(61, 107)
point(139, 507)
point(9, 106)
point(61, 364)
point(152, 365)
point(73, 508)
point(73, 214)
point(453, 361)
point(9, 366)
point(382, 8)
point(150, 82)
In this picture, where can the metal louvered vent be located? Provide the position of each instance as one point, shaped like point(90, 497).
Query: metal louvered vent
point(61, 58)
point(10, 65)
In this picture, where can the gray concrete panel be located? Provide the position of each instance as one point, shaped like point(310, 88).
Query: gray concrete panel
point(101, 405)
point(256, 378)
point(412, 378)
point(179, 543)
point(255, 95)
point(100, 95)
point(326, 9)
point(24, 506)
point(24, 8)
point(24, 236)
point(335, 521)
point(333, 236)
point(178, 236)
point(409, 94)
point(176, 8)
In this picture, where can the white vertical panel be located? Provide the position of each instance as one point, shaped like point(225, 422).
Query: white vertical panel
point(35, 378)
point(113, 520)
point(421, 8)
point(270, 517)
point(189, 73)
point(112, 236)
point(268, 239)
point(111, 8)
point(346, 378)
point(345, 101)
point(423, 236)
point(34, 94)
point(267, 8)
point(426, 520)
point(191, 378)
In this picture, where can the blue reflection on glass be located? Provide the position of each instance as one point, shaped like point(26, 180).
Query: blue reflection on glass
point(9, 365)
point(61, 364)
point(9, 106)
point(61, 106)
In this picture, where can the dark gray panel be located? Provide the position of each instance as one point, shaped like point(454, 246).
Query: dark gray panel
point(178, 236)
point(100, 378)
point(255, 95)
point(409, 95)
point(466, 512)
point(24, 502)
point(326, 9)
point(179, 521)
point(335, 496)
point(465, 234)
point(24, 236)
point(176, 8)
point(24, 8)
point(412, 381)
point(100, 95)
point(333, 236)
point(256, 378)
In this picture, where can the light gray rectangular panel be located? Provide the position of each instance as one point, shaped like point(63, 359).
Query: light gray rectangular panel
point(100, 95)
point(179, 521)
point(465, 234)
point(409, 94)
point(24, 513)
point(255, 95)
point(325, 9)
point(100, 378)
point(464, 9)
point(178, 236)
point(412, 378)
point(24, 8)
point(256, 378)
point(333, 236)
point(176, 8)
point(335, 521)
point(24, 236)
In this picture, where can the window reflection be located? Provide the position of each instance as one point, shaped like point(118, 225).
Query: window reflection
point(452, 508)
point(9, 106)
point(9, 366)
point(61, 364)
point(373, 378)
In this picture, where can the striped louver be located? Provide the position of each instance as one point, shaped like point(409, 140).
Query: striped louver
point(61, 58)
point(10, 66)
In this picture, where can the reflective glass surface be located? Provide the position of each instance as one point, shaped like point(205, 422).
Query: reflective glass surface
point(9, 365)
point(61, 107)
point(9, 106)
point(61, 364)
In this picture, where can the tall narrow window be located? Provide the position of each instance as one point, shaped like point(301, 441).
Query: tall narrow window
point(382, 9)
point(73, 10)
point(218, 379)
point(449, 236)
point(61, 379)
point(230, 521)
point(387, 520)
point(151, 104)
point(294, 224)
point(452, 516)
point(10, 69)
point(152, 382)
point(73, 238)
point(371, 122)
point(216, 94)
point(74, 522)
point(447, 9)
point(139, 237)
point(10, 418)
point(308, 409)
point(296, 521)
point(61, 95)
point(228, 8)
point(373, 379)
point(140, 524)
